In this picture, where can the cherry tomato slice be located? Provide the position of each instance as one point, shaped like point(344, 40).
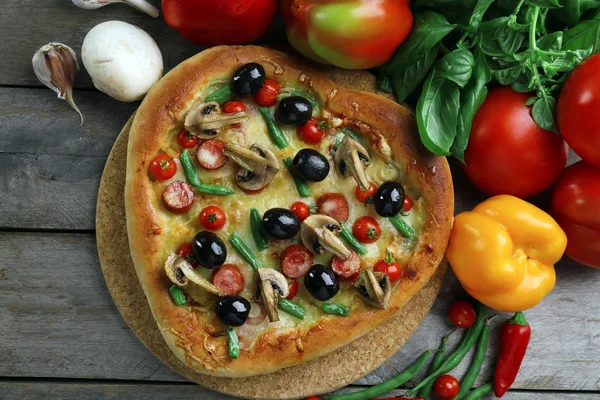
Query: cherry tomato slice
point(233, 106)
point(267, 95)
point(408, 203)
point(366, 196)
point(462, 314)
point(187, 140)
point(446, 387)
point(163, 167)
point(310, 133)
point(213, 218)
point(293, 288)
point(366, 230)
point(185, 251)
point(301, 210)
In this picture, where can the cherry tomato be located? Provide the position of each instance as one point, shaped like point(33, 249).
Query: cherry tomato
point(508, 153)
point(577, 110)
point(267, 95)
point(462, 314)
point(187, 140)
point(293, 288)
point(213, 218)
point(185, 251)
point(389, 266)
point(446, 387)
point(163, 167)
point(313, 398)
point(301, 210)
point(408, 204)
point(366, 196)
point(233, 106)
point(310, 132)
point(366, 230)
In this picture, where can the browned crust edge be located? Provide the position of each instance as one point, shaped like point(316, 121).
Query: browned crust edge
point(166, 104)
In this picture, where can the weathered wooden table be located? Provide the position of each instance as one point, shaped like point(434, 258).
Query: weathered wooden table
point(60, 333)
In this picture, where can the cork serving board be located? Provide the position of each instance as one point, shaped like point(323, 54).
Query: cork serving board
point(325, 374)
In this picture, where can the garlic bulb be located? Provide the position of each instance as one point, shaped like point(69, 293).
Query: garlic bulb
point(55, 65)
point(141, 5)
point(122, 59)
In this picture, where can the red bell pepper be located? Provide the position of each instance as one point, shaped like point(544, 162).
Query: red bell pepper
point(216, 22)
point(514, 339)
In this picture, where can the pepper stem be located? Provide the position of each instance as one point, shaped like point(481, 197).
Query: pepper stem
point(518, 319)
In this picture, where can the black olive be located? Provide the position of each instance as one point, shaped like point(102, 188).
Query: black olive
point(295, 111)
point(232, 310)
point(311, 165)
point(321, 282)
point(389, 199)
point(248, 79)
point(209, 250)
point(280, 223)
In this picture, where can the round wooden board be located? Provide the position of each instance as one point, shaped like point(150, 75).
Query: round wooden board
point(325, 374)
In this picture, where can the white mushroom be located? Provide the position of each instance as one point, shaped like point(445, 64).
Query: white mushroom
point(352, 159)
point(206, 120)
point(141, 5)
point(375, 288)
point(273, 287)
point(259, 165)
point(320, 232)
point(181, 272)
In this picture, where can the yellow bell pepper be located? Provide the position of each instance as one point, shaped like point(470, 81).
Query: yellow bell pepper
point(504, 251)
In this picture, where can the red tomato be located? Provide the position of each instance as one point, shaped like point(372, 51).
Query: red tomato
point(366, 196)
point(462, 314)
point(267, 95)
point(389, 267)
point(301, 210)
point(576, 206)
point(408, 204)
point(508, 153)
point(185, 251)
point(213, 218)
point(313, 398)
point(233, 106)
point(310, 132)
point(366, 230)
point(187, 140)
point(577, 110)
point(293, 288)
point(446, 387)
point(163, 167)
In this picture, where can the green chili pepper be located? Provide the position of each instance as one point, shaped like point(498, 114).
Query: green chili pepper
point(480, 392)
point(353, 135)
point(260, 238)
point(233, 343)
point(216, 190)
point(221, 96)
point(245, 251)
point(277, 135)
point(437, 361)
point(353, 242)
point(403, 227)
point(337, 309)
point(301, 186)
point(389, 385)
point(178, 295)
point(294, 309)
point(189, 169)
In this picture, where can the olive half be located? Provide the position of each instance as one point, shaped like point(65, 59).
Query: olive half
point(209, 250)
point(232, 310)
point(280, 223)
point(311, 165)
point(295, 111)
point(389, 199)
point(321, 282)
point(248, 79)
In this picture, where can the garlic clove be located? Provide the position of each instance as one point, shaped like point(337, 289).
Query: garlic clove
point(55, 65)
point(141, 5)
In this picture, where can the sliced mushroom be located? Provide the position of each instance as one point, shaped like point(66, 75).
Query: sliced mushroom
point(353, 159)
point(206, 120)
point(273, 287)
point(320, 232)
point(180, 272)
point(258, 165)
point(375, 288)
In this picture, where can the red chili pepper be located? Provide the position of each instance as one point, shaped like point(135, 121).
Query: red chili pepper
point(514, 339)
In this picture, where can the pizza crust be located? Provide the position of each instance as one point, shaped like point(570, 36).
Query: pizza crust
point(186, 332)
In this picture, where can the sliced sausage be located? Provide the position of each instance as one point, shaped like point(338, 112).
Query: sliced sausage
point(346, 268)
point(334, 205)
point(178, 197)
point(210, 154)
point(296, 260)
point(229, 279)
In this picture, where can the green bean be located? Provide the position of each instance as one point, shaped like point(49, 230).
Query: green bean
point(294, 309)
point(454, 359)
point(480, 392)
point(437, 361)
point(189, 169)
point(245, 251)
point(260, 238)
point(301, 186)
point(233, 343)
point(469, 379)
point(178, 295)
point(353, 135)
point(216, 190)
point(353, 242)
point(389, 385)
point(336, 309)
point(221, 96)
point(403, 227)
point(277, 135)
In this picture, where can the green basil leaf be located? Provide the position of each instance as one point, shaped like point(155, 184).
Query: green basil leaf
point(384, 83)
point(551, 42)
point(570, 14)
point(545, 3)
point(543, 113)
point(508, 75)
point(583, 36)
point(480, 9)
point(511, 41)
point(531, 101)
point(523, 84)
point(495, 28)
point(406, 81)
point(491, 47)
point(457, 66)
point(437, 113)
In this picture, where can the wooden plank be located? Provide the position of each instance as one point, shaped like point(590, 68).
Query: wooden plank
point(58, 321)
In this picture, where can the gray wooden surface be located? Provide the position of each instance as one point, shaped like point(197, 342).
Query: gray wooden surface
point(61, 336)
